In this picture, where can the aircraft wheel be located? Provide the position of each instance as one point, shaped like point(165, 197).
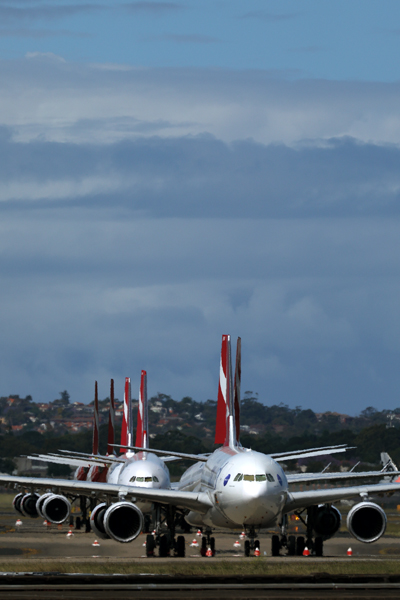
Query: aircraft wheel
point(212, 545)
point(180, 546)
point(275, 545)
point(203, 546)
point(291, 546)
point(318, 546)
point(150, 545)
point(300, 545)
point(247, 548)
point(163, 550)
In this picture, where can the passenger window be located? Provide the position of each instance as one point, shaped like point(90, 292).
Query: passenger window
point(261, 478)
point(155, 479)
point(132, 479)
point(248, 477)
point(270, 477)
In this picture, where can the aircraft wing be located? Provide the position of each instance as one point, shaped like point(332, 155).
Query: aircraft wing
point(167, 453)
point(346, 476)
point(198, 501)
point(282, 456)
point(299, 500)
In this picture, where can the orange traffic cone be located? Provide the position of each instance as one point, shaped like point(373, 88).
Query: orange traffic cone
point(349, 552)
point(236, 544)
point(306, 552)
point(198, 532)
point(95, 543)
point(242, 535)
point(70, 534)
point(256, 551)
point(209, 552)
point(18, 522)
point(194, 544)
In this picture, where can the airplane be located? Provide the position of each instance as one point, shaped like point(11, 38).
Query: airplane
point(233, 488)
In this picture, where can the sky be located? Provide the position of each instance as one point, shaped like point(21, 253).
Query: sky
point(174, 171)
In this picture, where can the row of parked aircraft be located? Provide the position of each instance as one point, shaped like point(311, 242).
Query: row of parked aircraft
point(231, 488)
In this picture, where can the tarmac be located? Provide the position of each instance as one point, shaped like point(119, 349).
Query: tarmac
point(32, 539)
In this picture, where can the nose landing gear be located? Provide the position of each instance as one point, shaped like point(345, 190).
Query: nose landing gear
point(251, 544)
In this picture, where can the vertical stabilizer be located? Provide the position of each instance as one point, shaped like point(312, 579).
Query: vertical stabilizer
point(95, 445)
point(236, 388)
point(111, 422)
point(126, 430)
point(225, 426)
point(142, 415)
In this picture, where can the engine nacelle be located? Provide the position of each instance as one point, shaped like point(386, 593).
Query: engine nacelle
point(28, 505)
point(97, 520)
point(366, 522)
point(123, 521)
point(17, 503)
point(39, 503)
point(56, 508)
point(327, 521)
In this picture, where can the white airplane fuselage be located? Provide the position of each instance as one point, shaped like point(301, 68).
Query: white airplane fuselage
point(247, 488)
point(144, 470)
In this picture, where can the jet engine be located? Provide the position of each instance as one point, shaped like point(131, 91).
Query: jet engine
point(366, 522)
point(39, 503)
point(28, 505)
point(123, 521)
point(327, 520)
point(97, 520)
point(55, 508)
point(17, 503)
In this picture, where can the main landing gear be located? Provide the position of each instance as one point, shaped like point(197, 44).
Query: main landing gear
point(166, 542)
point(251, 544)
point(295, 545)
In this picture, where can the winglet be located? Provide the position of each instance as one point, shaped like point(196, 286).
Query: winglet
point(111, 422)
point(142, 415)
point(95, 445)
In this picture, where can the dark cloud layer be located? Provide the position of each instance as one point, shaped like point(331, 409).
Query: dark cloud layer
point(201, 176)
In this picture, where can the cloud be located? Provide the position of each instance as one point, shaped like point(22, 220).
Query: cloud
point(10, 14)
point(150, 7)
point(263, 15)
point(61, 100)
point(144, 212)
point(192, 38)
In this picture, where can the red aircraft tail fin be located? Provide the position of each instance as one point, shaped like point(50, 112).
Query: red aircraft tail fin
point(142, 415)
point(111, 421)
point(95, 445)
point(126, 430)
point(236, 387)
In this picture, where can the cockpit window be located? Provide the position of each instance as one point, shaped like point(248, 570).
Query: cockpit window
point(148, 479)
point(270, 477)
point(140, 479)
point(261, 477)
point(155, 479)
point(238, 477)
point(132, 479)
point(248, 477)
